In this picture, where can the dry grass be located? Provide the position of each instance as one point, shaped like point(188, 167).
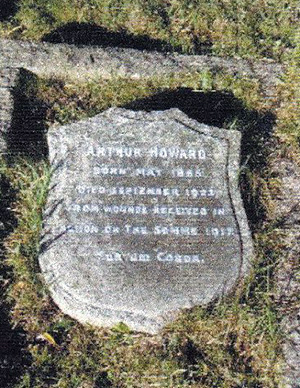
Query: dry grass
point(234, 343)
point(259, 28)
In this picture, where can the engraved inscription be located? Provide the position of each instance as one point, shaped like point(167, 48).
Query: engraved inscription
point(151, 200)
point(144, 217)
point(154, 152)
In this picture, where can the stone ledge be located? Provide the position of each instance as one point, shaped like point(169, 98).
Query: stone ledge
point(86, 63)
point(8, 80)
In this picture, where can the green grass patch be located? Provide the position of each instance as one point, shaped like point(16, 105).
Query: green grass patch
point(288, 114)
point(233, 343)
point(247, 28)
point(230, 344)
point(69, 101)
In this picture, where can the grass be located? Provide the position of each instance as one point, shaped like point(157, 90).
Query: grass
point(234, 343)
point(73, 101)
point(260, 28)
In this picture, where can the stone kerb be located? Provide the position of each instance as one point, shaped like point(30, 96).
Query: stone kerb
point(8, 81)
point(84, 63)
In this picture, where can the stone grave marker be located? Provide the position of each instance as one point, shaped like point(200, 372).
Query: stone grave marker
point(144, 217)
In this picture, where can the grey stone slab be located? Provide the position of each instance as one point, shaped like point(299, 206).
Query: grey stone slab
point(144, 217)
point(84, 63)
point(8, 81)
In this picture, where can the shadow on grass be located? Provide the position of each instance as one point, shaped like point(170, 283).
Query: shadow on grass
point(219, 109)
point(25, 138)
point(8, 8)
point(27, 135)
point(91, 34)
point(13, 356)
point(222, 109)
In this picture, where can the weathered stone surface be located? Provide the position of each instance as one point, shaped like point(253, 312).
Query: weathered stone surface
point(8, 80)
point(144, 217)
point(63, 60)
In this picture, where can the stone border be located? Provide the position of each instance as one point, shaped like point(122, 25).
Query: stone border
point(8, 81)
point(87, 63)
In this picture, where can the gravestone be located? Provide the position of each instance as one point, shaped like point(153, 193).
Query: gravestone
point(144, 217)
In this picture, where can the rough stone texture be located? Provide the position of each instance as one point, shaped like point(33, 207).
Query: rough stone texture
point(8, 80)
point(113, 251)
point(287, 211)
point(91, 62)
